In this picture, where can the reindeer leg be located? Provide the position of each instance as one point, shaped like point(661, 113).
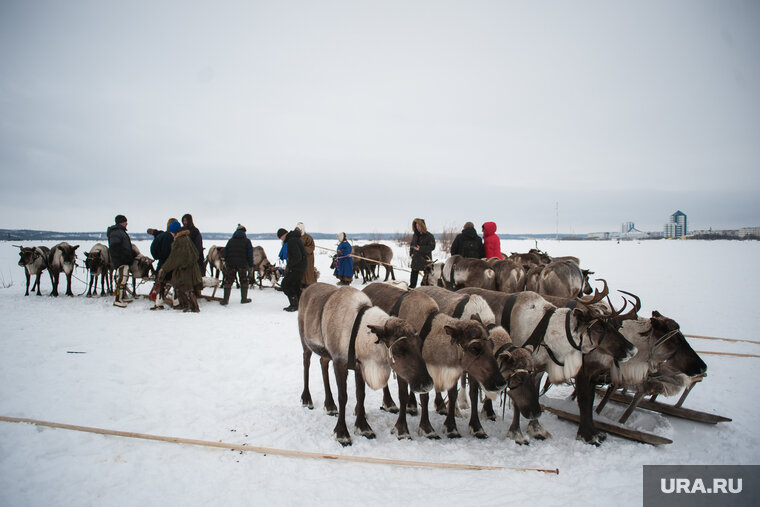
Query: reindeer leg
point(440, 405)
point(306, 394)
point(54, 281)
point(426, 429)
point(584, 389)
point(388, 404)
point(401, 429)
point(450, 424)
point(330, 407)
point(68, 285)
point(361, 426)
point(341, 431)
point(411, 404)
point(28, 279)
point(476, 429)
point(488, 411)
point(514, 432)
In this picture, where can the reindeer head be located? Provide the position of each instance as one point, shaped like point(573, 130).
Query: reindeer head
point(405, 352)
point(477, 357)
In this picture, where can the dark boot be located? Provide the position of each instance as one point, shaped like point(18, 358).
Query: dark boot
point(293, 304)
point(244, 294)
point(226, 299)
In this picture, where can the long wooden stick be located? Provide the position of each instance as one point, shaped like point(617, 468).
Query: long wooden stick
point(269, 450)
point(725, 353)
point(724, 339)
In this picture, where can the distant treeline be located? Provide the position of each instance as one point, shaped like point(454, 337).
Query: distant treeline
point(33, 235)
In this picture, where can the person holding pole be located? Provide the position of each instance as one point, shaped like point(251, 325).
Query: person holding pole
point(344, 264)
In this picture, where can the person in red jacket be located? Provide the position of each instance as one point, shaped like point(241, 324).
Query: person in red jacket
point(491, 242)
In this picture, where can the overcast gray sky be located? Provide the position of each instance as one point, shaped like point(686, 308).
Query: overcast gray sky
point(361, 115)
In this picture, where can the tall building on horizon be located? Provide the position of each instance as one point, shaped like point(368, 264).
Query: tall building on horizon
point(676, 225)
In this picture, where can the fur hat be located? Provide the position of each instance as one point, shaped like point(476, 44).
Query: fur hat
point(174, 227)
point(281, 231)
point(120, 219)
point(301, 227)
point(239, 227)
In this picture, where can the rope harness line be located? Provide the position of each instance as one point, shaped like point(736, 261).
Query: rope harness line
point(273, 451)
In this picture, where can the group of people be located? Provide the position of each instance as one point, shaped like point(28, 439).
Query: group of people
point(467, 244)
point(179, 252)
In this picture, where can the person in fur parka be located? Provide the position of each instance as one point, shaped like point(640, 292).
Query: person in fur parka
point(420, 249)
point(186, 275)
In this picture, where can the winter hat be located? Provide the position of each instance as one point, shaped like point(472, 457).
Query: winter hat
point(240, 227)
point(281, 231)
point(169, 222)
point(468, 224)
point(301, 227)
point(341, 236)
point(174, 227)
point(120, 219)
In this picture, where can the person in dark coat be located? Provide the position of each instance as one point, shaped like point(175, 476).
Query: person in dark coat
point(296, 267)
point(186, 275)
point(344, 263)
point(238, 261)
point(122, 255)
point(468, 243)
point(196, 238)
point(420, 249)
point(161, 246)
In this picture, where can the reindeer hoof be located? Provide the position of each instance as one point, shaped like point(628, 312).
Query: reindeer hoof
point(402, 434)
point(480, 434)
point(393, 409)
point(453, 433)
point(429, 434)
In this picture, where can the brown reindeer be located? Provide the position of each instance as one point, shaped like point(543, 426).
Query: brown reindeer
point(510, 276)
point(564, 279)
point(450, 348)
point(98, 263)
point(34, 260)
point(560, 337)
point(214, 261)
point(382, 255)
point(263, 269)
point(342, 326)
point(62, 259)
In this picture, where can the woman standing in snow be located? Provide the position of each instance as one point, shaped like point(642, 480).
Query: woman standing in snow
point(344, 264)
point(420, 249)
point(491, 242)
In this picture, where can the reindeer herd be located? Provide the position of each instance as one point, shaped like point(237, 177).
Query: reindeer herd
point(499, 325)
point(62, 258)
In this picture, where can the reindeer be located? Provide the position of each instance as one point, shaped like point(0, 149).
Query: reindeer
point(263, 269)
point(561, 337)
point(34, 260)
point(62, 259)
point(98, 262)
point(450, 347)
point(215, 261)
point(342, 326)
point(141, 267)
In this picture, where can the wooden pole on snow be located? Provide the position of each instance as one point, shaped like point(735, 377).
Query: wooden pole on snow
point(716, 338)
point(269, 450)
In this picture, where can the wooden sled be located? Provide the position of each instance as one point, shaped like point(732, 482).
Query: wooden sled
point(637, 401)
point(614, 429)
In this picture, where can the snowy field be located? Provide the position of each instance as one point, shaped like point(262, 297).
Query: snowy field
point(234, 374)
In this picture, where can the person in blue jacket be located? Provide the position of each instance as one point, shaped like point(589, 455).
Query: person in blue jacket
point(344, 264)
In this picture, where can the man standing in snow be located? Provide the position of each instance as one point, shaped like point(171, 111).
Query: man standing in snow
point(120, 248)
point(468, 243)
point(238, 261)
point(296, 268)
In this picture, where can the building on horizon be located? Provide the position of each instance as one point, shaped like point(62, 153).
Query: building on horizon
point(676, 225)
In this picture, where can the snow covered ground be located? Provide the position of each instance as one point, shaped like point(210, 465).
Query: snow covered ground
point(234, 374)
